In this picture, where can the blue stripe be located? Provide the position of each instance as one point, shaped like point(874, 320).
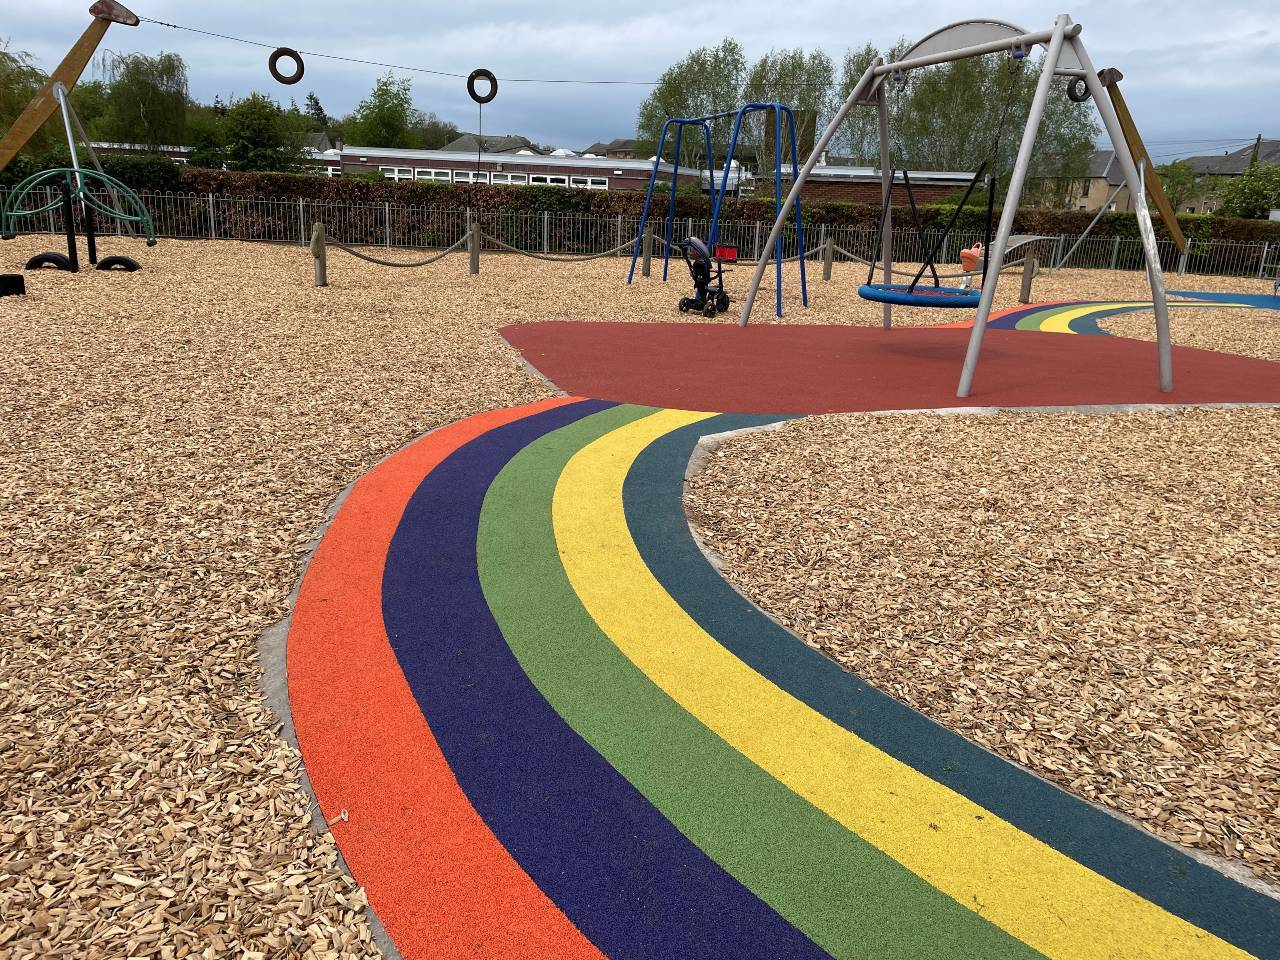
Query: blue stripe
point(1089, 835)
point(631, 882)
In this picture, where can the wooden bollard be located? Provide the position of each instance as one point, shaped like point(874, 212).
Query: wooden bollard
point(319, 254)
point(647, 252)
point(473, 246)
point(828, 257)
point(1030, 267)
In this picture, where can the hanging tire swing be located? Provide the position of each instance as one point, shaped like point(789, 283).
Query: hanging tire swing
point(482, 74)
point(286, 53)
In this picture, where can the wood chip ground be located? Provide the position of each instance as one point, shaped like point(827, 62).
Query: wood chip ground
point(1095, 597)
point(171, 440)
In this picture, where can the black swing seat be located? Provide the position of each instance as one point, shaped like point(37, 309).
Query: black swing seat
point(902, 293)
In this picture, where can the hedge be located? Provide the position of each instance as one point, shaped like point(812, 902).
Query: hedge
point(159, 174)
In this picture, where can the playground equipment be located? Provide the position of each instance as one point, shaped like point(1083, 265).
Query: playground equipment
point(1065, 57)
point(909, 294)
point(717, 195)
point(704, 269)
point(73, 184)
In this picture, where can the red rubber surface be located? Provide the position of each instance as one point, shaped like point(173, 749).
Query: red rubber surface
point(441, 882)
point(772, 368)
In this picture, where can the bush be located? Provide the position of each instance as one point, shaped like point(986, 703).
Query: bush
point(142, 172)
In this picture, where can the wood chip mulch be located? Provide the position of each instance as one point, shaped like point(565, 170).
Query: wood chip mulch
point(171, 442)
point(1097, 598)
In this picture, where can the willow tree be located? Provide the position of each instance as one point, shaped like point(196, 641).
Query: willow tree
point(20, 78)
point(146, 99)
point(802, 81)
point(708, 80)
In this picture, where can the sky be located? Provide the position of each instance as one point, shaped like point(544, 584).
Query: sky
point(1199, 77)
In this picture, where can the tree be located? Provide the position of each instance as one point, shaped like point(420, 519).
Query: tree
point(90, 99)
point(147, 99)
point(708, 80)
point(251, 134)
point(20, 78)
point(1180, 182)
point(858, 137)
point(315, 113)
point(385, 118)
point(956, 115)
point(801, 81)
point(1252, 194)
point(433, 133)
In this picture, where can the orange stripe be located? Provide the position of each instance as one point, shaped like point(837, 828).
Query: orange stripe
point(438, 878)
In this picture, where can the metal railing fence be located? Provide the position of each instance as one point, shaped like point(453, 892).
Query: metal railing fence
point(209, 216)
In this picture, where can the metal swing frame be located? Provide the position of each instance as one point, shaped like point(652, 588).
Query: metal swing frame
point(781, 209)
point(1065, 57)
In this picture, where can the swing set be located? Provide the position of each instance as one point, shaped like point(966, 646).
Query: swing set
point(1065, 57)
point(718, 251)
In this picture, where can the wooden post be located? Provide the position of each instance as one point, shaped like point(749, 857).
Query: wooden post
point(647, 252)
point(828, 256)
point(473, 246)
point(318, 252)
point(1030, 267)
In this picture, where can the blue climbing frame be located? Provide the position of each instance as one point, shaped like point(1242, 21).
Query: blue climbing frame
point(717, 195)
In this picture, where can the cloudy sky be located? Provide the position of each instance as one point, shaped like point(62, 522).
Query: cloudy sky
point(1200, 77)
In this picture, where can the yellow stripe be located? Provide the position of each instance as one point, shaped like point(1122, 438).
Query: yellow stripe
point(1061, 322)
point(1038, 895)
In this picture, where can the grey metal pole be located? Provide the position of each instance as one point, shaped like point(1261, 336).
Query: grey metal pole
point(886, 187)
point(1060, 262)
point(546, 232)
point(473, 246)
point(995, 256)
point(1115, 253)
point(762, 261)
point(1131, 173)
point(386, 222)
point(619, 244)
point(302, 221)
point(213, 221)
point(1262, 260)
point(647, 252)
point(319, 254)
point(1186, 254)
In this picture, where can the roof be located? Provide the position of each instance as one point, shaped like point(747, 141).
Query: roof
point(507, 159)
point(1103, 165)
point(319, 142)
point(616, 145)
point(470, 142)
point(837, 172)
point(1232, 164)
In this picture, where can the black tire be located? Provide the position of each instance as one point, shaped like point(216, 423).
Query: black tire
point(709, 310)
point(722, 302)
point(127, 264)
point(1077, 90)
point(282, 53)
point(471, 85)
point(684, 304)
point(58, 261)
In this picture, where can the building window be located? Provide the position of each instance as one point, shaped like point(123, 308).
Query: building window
point(333, 171)
point(470, 176)
point(512, 179)
point(548, 180)
point(598, 183)
point(421, 174)
point(397, 173)
point(1111, 205)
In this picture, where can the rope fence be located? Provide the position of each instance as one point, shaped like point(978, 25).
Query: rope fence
point(427, 261)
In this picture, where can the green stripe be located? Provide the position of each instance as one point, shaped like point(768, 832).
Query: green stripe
point(846, 895)
point(1033, 321)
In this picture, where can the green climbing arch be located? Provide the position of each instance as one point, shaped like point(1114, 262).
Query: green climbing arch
point(79, 181)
